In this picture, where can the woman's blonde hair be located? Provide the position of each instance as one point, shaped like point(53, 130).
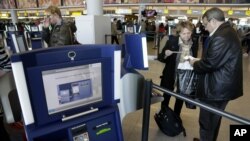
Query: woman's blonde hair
point(184, 24)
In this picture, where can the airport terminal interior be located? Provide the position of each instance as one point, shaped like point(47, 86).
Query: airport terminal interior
point(28, 18)
point(132, 123)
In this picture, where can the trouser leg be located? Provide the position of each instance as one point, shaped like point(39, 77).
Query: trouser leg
point(166, 100)
point(209, 122)
point(116, 40)
point(178, 106)
point(112, 39)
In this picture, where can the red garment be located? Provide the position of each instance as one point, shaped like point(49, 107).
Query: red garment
point(161, 29)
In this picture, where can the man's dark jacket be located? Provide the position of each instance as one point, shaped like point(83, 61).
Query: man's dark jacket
point(59, 35)
point(220, 67)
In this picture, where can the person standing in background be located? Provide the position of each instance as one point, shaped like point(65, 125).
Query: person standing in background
point(114, 32)
point(161, 30)
point(220, 71)
point(234, 26)
point(143, 26)
point(166, 26)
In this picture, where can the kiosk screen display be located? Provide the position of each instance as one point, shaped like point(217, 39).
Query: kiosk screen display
point(68, 88)
point(11, 28)
point(34, 28)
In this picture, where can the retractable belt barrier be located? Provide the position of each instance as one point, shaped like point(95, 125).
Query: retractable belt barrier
point(149, 85)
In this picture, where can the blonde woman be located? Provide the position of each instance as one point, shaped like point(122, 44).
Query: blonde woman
point(176, 48)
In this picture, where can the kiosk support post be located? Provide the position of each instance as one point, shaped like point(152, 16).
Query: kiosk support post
point(146, 109)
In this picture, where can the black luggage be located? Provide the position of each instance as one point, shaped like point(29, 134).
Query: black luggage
point(168, 122)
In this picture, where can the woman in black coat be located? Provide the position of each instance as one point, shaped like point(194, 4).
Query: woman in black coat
point(180, 43)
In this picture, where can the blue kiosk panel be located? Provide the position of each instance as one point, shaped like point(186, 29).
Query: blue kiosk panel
point(35, 37)
point(136, 51)
point(69, 87)
point(9, 39)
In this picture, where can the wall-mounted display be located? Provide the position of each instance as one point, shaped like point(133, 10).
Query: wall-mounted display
point(112, 1)
point(46, 3)
point(26, 4)
point(7, 4)
point(72, 2)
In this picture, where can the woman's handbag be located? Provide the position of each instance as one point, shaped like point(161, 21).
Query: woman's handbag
point(188, 81)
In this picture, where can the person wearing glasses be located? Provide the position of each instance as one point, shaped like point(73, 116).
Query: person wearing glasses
point(220, 71)
point(55, 31)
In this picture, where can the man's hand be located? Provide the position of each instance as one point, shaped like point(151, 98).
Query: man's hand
point(46, 22)
point(192, 61)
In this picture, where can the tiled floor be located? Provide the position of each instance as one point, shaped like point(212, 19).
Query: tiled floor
point(132, 123)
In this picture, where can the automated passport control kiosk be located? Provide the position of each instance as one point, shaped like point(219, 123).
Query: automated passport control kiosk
point(67, 93)
point(136, 57)
point(35, 37)
point(9, 34)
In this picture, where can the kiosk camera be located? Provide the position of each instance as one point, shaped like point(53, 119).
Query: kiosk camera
point(67, 93)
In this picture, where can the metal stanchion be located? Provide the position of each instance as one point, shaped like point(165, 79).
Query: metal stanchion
point(106, 36)
point(158, 46)
point(147, 102)
point(146, 109)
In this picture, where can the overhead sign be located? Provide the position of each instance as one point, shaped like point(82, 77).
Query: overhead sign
point(165, 11)
point(76, 13)
point(247, 12)
point(203, 11)
point(230, 12)
point(123, 11)
point(189, 11)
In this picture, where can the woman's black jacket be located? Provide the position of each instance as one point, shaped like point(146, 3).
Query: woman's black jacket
point(168, 73)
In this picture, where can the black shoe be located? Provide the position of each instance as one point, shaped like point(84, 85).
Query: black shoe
point(196, 139)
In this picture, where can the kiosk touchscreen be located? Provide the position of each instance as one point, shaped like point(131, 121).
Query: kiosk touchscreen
point(67, 88)
point(11, 28)
point(68, 93)
point(34, 28)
